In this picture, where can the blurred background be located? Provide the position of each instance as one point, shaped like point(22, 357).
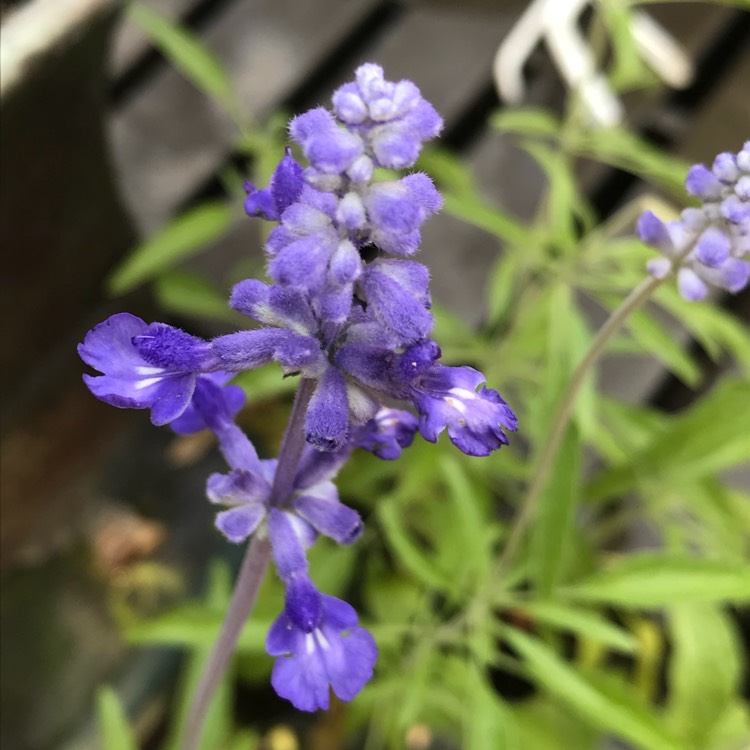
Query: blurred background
point(104, 143)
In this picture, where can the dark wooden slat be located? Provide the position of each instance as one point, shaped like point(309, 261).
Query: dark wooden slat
point(131, 43)
point(171, 138)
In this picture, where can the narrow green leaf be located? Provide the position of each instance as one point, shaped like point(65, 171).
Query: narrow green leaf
point(473, 210)
point(558, 351)
point(654, 580)
point(448, 170)
point(502, 285)
point(470, 523)
point(414, 559)
point(716, 329)
point(539, 122)
point(663, 345)
point(114, 728)
point(488, 724)
point(564, 202)
point(218, 725)
point(545, 724)
point(623, 714)
point(186, 235)
point(189, 294)
point(704, 671)
point(585, 623)
point(697, 443)
point(732, 729)
point(245, 739)
point(628, 70)
point(552, 530)
point(620, 148)
point(264, 383)
point(187, 53)
point(194, 626)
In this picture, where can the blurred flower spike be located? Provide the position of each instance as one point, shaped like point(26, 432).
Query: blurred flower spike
point(707, 245)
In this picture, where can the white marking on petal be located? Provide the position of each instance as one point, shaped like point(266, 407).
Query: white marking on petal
point(463, 394)
point(322, 640)
point(146, 370)
point(146, 382)
point(456, 404)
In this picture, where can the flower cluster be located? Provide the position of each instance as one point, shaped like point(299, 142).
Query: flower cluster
point(706, 246)
point(348, 311)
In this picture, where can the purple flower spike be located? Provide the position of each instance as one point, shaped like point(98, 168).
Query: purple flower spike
point(144, 367)
point(332, 652)
point(393, 118)
point(707, 244)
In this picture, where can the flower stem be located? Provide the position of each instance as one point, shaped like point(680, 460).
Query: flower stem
point(560, 423)
point(252, 571)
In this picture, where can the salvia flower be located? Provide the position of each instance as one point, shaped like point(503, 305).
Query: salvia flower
point(707, 245)
point(319, 643)
point(144, 366)
point(347, 310)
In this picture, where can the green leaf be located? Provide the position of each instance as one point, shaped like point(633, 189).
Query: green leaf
point(552, 530)
point(732, 729)
point(714, 328)
point(195, 626)
point(654, 580)
point(264, 383)
point(501, 292)
point(705, 670)
point(116, 733)
point(544, 724)
point(664, 345)
point(565, 204)
point(469, 524)
point(699, 442)
point(621, 714)
point(473, 210)
point(189, 55)
point(624, 150)
point(218, 724)
point(189, 294)
point(585, 623)
point(628, 71)
point(407, 550)
point(448, 170)
point(184, 236)
point(531, 121)
point(487, 724)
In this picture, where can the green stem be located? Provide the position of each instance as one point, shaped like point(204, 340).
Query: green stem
point(252, 572)
point(560, 423)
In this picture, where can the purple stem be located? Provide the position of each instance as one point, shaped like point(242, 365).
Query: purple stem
point(251, 573)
